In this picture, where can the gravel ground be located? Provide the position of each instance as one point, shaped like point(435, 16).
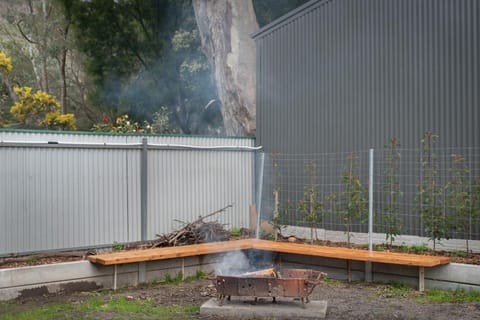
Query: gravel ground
point(345, 301)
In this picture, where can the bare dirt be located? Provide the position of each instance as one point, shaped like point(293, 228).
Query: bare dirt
point(345, 301)
point(32, 261)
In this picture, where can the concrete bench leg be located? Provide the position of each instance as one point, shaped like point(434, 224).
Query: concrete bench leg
point(368, 272)
point(183, 269)
point(421, 279)
point(142, 272)
point(349, 271)
point(115, 277)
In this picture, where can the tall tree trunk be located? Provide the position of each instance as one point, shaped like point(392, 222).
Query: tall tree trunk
point(43, 47)
point(62, 60)
point(225, 27)
point(63, 77)
point(6, 82)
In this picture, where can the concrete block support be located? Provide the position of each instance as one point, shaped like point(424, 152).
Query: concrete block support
point(285, 309)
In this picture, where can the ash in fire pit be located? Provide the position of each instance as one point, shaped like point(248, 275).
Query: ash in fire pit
point(294, 283)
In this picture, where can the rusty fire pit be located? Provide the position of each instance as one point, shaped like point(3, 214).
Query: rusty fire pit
point(293, 283)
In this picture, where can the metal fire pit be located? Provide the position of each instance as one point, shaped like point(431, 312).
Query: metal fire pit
point(294, 283)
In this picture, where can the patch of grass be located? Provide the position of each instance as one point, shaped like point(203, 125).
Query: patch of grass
point(379, 247)
point(329, 282)
point(235, 232)
point(398, 290)
point(172, 279)
point(114, 307)
point(32, 260)
point(419, 248)
point(47, 312)
point(116, 246)
point(449, 296)
point(416, 248)
point(198, 275)
point(178, 278)
point(393, 290)
point(461, 254)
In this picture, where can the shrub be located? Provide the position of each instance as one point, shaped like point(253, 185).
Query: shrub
point(40, 110)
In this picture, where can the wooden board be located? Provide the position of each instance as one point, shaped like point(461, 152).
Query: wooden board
point(169, 252)
point(352, 254)
point(284, 247)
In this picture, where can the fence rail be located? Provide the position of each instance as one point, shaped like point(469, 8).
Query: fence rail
point(60, 191)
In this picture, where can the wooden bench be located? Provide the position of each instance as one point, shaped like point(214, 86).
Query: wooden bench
point(420, 261)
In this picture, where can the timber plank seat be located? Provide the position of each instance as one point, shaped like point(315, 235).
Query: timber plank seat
point(131, 256)
point(352, 254)
point(406, 259)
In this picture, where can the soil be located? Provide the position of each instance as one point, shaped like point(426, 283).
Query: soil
point(345, 301)
point(32, 261)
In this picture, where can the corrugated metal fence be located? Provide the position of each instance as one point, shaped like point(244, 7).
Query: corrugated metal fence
point(62, 191)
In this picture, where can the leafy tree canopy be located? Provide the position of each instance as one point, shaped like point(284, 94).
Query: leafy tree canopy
point(269, 10)
point(141, 61)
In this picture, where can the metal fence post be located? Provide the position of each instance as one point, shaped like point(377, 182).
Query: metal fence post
point(143, 190)
point(370, 201)
point(259, 192)
point(368, 265)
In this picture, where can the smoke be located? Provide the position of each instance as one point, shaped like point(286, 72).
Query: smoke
point(238, 262)
point(168, 70)
point(233, 263)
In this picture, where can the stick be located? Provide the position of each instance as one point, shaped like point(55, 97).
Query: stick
point(213, 213)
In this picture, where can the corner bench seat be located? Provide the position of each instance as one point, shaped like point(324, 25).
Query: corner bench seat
point(420, 261)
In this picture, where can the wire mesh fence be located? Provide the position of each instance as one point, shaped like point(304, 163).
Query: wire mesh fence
point(428, 192)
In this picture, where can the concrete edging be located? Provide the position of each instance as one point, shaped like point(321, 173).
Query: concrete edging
point(86, 276)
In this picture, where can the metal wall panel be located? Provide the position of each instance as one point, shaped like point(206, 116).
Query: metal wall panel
point(185, 184)
point(340, 76)
point(188, 183)
point(62, 198)
point(344, 75)
point(58, 197)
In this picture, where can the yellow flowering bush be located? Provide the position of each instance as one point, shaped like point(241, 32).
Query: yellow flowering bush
point(56, 120)
point(40, 110)
point(5, 62)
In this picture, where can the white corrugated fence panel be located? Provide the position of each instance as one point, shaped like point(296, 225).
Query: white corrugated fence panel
point(61, 197)
point(187, 184)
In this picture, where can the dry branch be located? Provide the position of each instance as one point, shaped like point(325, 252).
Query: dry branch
point(198, 231)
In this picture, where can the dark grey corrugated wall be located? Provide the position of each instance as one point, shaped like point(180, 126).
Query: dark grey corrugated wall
point(345, 75)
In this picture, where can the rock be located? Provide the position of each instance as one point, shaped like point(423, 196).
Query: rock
point(292, 239)
point(266, 227)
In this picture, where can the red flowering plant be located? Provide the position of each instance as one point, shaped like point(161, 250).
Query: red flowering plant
point(122, 124)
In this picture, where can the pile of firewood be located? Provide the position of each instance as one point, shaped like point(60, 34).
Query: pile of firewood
point(198, 231)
